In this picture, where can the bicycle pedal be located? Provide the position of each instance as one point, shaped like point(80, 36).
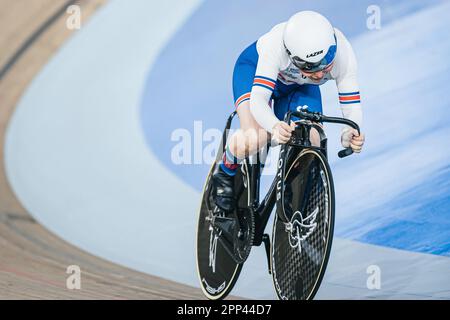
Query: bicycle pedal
point(266, 240)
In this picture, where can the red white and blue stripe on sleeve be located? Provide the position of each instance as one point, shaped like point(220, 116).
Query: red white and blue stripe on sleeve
point(264, 82)
point(244, 97)
point(349, 97)
point(259, 81)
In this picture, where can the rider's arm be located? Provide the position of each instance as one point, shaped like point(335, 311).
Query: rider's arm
point(269, 48)
point(350, 102)
point(263, 86)
point(347, 82)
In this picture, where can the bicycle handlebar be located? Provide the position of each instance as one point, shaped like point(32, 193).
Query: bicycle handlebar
point(318, 117)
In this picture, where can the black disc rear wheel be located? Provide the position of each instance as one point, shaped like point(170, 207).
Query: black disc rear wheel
point(301, 246)
point(222, 246)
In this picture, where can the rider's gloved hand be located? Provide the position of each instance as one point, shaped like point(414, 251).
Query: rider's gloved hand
point(350, 138)
point(281, 132)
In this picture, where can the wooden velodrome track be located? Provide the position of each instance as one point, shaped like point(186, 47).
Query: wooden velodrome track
point(33, 261)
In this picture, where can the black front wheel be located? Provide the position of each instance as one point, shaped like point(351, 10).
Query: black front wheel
point(301, 245)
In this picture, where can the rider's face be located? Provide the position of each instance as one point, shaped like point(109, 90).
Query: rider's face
point(318, 75)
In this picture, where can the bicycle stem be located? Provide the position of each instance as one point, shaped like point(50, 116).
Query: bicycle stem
point(318, 117)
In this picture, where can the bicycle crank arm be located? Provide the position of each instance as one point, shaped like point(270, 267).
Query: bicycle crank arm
point(226, 226)
point(266, 240)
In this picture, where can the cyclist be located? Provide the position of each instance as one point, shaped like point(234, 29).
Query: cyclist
point(283, 69)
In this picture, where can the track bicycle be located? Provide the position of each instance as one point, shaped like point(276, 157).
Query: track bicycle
point(303, 194)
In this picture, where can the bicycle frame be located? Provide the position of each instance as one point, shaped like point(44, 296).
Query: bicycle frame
point(300, 140)
point(263, 210)
point(234, 235)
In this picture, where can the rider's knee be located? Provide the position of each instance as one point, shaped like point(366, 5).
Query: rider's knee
point(251, 140)
point(314, 137)
point(245, 143)
point(239, 144)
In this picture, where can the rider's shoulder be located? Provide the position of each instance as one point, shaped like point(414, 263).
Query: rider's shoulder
point(345, 57)
point(275, 33)
point(271, 43)
point(344, 46)
point(341, 40)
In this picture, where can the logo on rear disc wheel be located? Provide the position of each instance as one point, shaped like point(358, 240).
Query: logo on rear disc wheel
point(299, 228)
point(212, 290)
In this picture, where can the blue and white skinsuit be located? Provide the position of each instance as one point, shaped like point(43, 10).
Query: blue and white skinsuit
point(265, 76)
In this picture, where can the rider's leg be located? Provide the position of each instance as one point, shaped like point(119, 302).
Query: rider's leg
point(311, 96)
point(306, 94)
point(246, 141)
point(314, 136)
point(289, 98)
point(251, 137)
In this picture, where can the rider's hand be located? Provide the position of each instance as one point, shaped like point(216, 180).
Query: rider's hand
point(350, 138)
point(281, 131)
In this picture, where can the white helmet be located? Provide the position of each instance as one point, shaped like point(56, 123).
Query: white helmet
point(310, 41)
